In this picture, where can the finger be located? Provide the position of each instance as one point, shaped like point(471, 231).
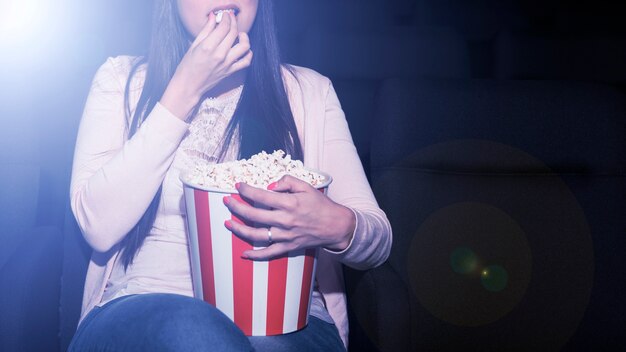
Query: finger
point(232, 34)
point(254, 235)
point(244, 39)
point(238, 51)
point(249, 213)
point(263, 197)
point(271, 252)
point(206, 30)
point(217, 35)
point(259, 236)
point(291, 184)
point(242, 63)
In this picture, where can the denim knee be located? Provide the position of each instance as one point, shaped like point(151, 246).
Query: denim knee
point(187, 324)
point(160, 322)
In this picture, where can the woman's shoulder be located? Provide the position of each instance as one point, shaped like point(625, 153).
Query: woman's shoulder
point(119, 68)
point(122, 63)
point(304, 78)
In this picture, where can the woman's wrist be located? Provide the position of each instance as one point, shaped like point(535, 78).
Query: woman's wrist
point(348, 225)
point(177, 102)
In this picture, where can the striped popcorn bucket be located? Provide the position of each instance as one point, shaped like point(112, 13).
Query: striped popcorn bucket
point(262, 298)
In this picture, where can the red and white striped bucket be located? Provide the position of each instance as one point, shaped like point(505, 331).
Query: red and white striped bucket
point(262, 297)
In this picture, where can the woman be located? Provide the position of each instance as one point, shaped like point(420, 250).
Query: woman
point(201, 94)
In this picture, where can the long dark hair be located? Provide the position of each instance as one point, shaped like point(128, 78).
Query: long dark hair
point(263, 117)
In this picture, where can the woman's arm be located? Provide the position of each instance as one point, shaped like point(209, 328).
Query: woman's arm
point(372, 237)
point(348, 220)
point(114, 180)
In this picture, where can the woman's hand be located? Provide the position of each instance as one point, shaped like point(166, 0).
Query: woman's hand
point(299, 216)
point(210, 58)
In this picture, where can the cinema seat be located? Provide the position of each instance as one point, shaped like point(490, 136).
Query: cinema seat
point(30, 255)
point(362, 60)
point(476, 20)
point(589, 58)
point(506, 199)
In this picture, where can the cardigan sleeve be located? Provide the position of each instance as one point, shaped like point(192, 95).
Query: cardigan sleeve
point(371, 242)
point(114, 179)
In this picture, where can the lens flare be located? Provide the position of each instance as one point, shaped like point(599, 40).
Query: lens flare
point(494, 278)
point(463, 261)
point(19, 16)
point(27, 28)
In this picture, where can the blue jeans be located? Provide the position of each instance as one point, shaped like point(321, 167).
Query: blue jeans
point(167, 322)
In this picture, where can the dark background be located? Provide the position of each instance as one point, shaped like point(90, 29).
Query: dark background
point(47, 65)
point(357, 43)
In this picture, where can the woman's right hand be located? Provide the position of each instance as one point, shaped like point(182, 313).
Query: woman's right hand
point(211, 58)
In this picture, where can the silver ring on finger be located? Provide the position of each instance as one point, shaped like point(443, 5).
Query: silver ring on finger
point(269, 235)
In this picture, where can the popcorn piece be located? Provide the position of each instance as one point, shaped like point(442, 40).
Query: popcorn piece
point(259, 171)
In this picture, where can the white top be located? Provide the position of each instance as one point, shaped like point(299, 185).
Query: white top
point(162, 263)
point(114, 178)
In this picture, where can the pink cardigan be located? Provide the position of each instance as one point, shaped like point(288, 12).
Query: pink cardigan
point(113, 180)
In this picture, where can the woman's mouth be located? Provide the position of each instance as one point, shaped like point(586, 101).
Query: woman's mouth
point(219, 13)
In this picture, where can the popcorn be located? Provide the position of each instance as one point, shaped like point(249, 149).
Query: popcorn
point(258, 171)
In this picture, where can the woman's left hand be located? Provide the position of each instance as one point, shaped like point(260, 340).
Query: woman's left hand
point(298, 216)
